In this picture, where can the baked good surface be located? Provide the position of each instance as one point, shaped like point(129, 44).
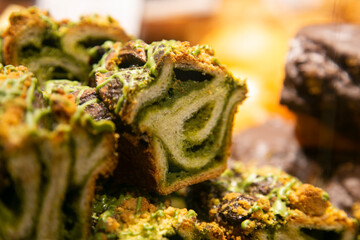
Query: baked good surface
point(136, 216)
point(275, 143)
point(266, 203)
point(47, 169)
point(322, 76)
point(175, 104)
point(56, 49)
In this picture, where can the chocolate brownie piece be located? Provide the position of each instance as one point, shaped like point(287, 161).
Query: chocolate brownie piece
point(323, 76)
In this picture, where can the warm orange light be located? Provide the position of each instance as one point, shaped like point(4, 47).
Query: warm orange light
point(252, 39)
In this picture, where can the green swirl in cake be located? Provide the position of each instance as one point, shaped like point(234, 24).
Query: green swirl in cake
point(176, 105)
point(56, 50)
point(51, 153)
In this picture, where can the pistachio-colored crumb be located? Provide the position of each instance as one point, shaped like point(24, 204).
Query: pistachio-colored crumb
point(129, 217)
point(267, 203)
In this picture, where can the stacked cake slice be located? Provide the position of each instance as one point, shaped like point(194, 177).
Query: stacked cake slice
point(51, 154)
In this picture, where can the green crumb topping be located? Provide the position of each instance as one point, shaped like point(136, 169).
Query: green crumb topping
point(267, 203)
point(191, 213)
point(198, 48)
point(245, 224)
point(139, 217)
point(325, 196)
point(278, 192)
point(282, 193)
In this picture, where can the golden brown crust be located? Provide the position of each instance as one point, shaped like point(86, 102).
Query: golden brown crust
point(5, 14)
point(92, 27)
point(102, 23)
point(186, 55)
point(310, 200)
point(14, 108)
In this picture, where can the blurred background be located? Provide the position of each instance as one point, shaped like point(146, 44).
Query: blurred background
point(251, 37)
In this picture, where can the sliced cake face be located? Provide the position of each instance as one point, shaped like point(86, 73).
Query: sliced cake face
point(266, 203)
point(322, 76)
point(56, 50)
point(51, 153)
point(178, 100)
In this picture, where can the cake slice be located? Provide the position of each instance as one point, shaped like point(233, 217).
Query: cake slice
point(267, 203)
point(175, 106)
point(56, 50)
point(51, 154)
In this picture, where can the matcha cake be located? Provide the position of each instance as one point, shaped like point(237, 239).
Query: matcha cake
point(51, 153)
point(56, 50)
point(175, 106)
